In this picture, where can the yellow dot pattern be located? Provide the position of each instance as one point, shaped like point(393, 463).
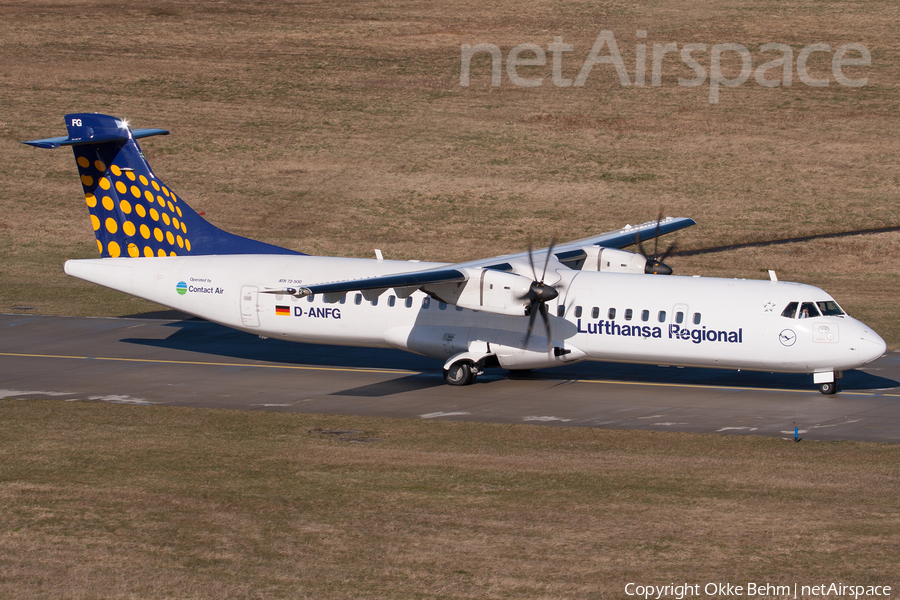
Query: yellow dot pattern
point(122, 223)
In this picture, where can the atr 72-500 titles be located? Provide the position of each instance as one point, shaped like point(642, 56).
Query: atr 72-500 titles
point(594, 301)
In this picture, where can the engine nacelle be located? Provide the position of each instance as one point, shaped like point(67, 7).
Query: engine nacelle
point(514, 358)
point(612, 260)
point(489, 290)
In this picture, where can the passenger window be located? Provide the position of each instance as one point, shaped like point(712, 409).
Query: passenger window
point(426, 302)
point(343, 299)
point(611, 315)
point(375, 302)
point(808, 309)
point(830, 308)
point(409, 302)
point(577, 312)
point(628, 314)
point(679, 317)
point(391, 300)
point(790, 311)
point(311, 298)
point(645, 315)
point(661, 317)
point(595, 312)
point(358, 299)
point(560, 311)
point(458, 308)
point(442, 305)
point(696, 318)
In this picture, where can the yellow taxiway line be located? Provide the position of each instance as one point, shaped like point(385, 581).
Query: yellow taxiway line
point(728, 387)
point(214, 364)
point(406, 372)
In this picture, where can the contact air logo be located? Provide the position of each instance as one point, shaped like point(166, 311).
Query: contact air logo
point(181, 288)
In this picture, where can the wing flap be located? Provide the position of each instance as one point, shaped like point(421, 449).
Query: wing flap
point(415, 279)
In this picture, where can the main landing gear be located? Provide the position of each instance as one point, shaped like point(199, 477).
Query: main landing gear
point(462, 372)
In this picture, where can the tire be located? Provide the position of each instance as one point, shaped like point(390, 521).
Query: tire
point(460, 373)
point(828, 388)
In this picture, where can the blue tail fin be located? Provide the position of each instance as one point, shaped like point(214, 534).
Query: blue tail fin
point(133, 213)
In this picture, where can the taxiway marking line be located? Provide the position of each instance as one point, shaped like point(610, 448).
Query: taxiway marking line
point(214, 364)
point(729, 387)
point(405, 372)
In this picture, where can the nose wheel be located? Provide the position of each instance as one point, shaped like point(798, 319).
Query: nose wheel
point(828, 388)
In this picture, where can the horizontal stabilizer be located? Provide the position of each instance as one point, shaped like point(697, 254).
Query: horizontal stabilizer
point(92, 128)
point(97, 139)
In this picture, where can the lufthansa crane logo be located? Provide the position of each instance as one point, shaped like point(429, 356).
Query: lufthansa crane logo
point(787, 337)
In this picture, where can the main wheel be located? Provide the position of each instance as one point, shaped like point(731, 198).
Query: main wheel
point(828, 388)
point(460, 373)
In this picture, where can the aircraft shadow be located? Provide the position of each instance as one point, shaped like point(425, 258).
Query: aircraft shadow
point(195, 335)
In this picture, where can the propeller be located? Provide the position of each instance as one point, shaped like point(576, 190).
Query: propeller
point(655, 264)
point(539, 293)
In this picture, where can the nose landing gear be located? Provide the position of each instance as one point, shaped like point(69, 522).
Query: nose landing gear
point(827, 381)
point(828, 388)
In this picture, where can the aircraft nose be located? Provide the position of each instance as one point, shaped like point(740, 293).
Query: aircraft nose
point(871, 346)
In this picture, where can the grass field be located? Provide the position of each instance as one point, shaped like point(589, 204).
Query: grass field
point(111, 501)
point(339, 127)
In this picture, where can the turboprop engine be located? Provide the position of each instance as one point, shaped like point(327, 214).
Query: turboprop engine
point(490, 290)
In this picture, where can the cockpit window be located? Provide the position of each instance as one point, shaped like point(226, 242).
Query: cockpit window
point(790, 311)
point(808, 309)
point(829, 308)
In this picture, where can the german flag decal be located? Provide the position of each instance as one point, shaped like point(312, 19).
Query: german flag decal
point(284, 311)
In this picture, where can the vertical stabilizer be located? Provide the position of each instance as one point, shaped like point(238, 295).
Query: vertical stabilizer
point(132, 212)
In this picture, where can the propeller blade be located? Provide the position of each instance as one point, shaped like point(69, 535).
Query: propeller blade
point(546, 315)
point(637, 240)
point(659, 219)
point(668, 251)
point(531, 260)
point(531, 317)
point(547, 261)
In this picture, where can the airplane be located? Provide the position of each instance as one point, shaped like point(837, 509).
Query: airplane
point(595, 301)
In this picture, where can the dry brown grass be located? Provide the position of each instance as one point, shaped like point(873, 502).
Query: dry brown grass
point(105, 501)
point(335, 128)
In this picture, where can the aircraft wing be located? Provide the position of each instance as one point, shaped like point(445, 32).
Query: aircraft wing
point(459, 273)
point(628, 234)
point(414, 279)
point(611, 239)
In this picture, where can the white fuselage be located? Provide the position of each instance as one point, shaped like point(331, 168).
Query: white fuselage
point(669, 320)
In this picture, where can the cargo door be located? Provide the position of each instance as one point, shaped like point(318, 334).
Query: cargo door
point(250, 306)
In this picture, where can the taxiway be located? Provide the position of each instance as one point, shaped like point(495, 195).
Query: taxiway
point(194, 363)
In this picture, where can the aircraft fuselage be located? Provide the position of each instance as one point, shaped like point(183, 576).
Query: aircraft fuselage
point(671, 320)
